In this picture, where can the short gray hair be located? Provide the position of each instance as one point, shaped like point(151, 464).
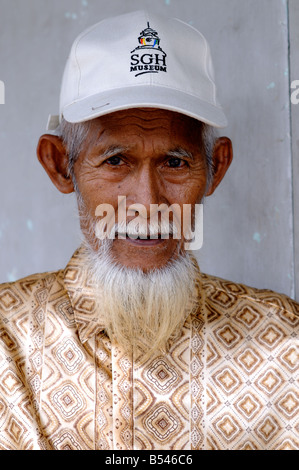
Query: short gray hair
point(74, 134)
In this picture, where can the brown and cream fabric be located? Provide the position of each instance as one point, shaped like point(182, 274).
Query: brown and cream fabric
point(229, 381)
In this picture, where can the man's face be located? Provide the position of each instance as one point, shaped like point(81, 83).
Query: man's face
point(150, 156)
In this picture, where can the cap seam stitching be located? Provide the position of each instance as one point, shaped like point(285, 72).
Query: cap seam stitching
point(75, 52)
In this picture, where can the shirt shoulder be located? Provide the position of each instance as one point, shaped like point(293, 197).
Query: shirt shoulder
point(230, 298)
point(22, 301)
point(14, 295)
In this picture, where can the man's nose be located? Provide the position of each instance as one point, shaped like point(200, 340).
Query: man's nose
point(146, 188)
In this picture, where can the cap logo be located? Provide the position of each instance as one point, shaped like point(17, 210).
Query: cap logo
point(148, 57)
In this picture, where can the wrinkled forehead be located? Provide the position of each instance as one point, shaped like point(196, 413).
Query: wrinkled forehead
point(151, 123)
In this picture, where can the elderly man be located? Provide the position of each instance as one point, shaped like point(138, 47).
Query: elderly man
point(131, 347)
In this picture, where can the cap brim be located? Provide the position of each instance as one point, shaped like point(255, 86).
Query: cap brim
point(141, 96)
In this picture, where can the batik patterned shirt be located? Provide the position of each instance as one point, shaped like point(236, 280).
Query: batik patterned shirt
point(229, 380)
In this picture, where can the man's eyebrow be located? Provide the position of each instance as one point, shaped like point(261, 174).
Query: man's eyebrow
point(112, 150)
point(177, 152)
point(180, 152)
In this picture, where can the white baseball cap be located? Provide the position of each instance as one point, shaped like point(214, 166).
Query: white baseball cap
point(139, 60)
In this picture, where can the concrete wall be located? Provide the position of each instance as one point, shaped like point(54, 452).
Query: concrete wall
point(251, 222)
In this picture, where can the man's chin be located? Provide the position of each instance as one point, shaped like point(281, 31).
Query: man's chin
point(146, 255)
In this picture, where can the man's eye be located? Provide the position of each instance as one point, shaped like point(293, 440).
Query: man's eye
point(115, 161)
point(176, 162)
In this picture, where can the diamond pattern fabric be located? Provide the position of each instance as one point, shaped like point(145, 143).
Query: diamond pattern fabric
point(229, 380)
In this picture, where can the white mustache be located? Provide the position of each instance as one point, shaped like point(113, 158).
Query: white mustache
point(187, 226)
point(135, 229)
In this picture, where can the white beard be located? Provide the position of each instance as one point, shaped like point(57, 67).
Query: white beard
point(141, 311)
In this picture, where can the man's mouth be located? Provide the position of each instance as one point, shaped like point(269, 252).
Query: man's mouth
point(142, 240)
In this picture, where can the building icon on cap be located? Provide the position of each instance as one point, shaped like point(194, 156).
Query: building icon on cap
point(148, 57)
point(149, 39)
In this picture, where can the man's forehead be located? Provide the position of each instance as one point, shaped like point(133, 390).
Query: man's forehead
point(146, 115)
point(138, 122)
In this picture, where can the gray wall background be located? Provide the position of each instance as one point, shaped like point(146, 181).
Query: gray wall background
point(251, 223)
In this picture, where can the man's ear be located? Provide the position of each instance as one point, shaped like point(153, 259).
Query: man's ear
point(222, 158)
point(53, 157)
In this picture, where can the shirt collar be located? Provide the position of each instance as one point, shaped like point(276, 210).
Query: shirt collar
point(88, 318)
